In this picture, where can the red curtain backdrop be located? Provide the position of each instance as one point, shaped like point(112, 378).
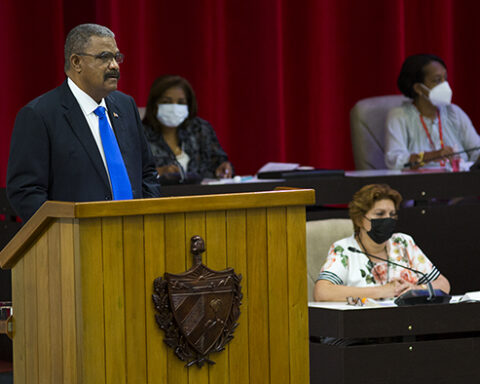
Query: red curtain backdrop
point(277, 79)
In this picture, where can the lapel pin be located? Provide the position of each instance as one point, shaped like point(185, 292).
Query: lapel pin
point(114, 114)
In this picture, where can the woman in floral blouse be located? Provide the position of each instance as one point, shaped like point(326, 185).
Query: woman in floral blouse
point(373, 211)
point(182, 143)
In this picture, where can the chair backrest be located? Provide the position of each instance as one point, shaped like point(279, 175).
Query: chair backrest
point(321, 234)
point(367, 126)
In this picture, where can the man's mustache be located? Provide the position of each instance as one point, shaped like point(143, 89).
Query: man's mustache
point(112, 74)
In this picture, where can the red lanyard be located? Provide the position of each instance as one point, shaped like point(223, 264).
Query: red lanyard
point(442, 163)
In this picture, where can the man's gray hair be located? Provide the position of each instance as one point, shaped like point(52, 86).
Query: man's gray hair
point(79, 37)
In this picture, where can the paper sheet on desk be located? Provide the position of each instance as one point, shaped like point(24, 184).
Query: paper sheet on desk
point(371, 303)
point(467, 297)
point(234, 180)
point(277, 167)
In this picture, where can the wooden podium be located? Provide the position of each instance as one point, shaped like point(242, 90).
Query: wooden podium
point(82, 276)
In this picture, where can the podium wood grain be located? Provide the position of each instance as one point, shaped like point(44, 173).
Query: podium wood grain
point(83, 281)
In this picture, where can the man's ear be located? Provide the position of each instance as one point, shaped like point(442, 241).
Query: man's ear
point(76, 63)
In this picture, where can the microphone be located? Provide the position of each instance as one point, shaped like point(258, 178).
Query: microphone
point(413, 163)
point(416, 296)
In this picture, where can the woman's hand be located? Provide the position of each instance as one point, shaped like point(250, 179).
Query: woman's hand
point(224, 170)
point(171, 168)
point(419, 160)
point(396, 288)
point(327, 291)
point(440, 155)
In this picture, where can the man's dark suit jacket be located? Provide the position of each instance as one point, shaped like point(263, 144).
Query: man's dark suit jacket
point(53, 155)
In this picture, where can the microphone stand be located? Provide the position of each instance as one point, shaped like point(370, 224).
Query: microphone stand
point(431, 293)
point(413, 163)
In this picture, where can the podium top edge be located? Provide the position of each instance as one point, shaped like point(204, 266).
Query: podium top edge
point(52, 210)
point(228, 201)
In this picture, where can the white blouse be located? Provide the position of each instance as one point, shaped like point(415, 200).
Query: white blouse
point(344, 267)
point(405, 134)
point(183, 159)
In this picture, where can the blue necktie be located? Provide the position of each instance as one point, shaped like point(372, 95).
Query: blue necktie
point(121, 188)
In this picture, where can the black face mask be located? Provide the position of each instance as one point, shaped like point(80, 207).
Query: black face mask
point(382, 229)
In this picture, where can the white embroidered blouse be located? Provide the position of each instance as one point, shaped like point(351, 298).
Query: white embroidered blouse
point(344, 267)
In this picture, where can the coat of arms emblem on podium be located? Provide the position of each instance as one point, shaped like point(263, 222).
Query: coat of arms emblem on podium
point(197, 309)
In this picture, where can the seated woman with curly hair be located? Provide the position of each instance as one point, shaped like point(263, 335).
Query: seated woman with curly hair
point(374, 211)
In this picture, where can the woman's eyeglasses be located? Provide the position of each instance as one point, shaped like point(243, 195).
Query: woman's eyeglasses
point(356, 301)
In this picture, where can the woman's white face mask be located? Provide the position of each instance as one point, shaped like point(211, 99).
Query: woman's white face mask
point(172, 115)
point(440, 95)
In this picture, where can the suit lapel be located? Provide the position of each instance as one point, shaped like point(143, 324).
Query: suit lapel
point(80, 128)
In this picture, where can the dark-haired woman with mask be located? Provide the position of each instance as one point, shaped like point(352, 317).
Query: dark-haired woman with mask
point(345, 273)
point(427, 129)
point(183, 145)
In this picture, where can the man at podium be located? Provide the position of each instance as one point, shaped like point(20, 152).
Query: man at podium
point(82, 141)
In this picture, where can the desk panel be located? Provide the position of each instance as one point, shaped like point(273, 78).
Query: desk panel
point(418, 344)
point(339, 189)
point(450, 237)
point(436, 362)
point(417, 186)
point(394, 321)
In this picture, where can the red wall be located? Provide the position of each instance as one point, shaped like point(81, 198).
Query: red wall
point(277, 79)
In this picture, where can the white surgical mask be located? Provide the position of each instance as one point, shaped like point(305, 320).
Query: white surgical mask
point(440, 95)
point(172, 115)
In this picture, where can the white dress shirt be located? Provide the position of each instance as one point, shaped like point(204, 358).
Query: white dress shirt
point(88, 106)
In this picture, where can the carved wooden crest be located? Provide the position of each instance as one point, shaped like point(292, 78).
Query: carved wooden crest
point(198, 309)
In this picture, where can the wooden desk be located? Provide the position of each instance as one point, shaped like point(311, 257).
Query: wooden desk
point(420, 187)
point(429, 344)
